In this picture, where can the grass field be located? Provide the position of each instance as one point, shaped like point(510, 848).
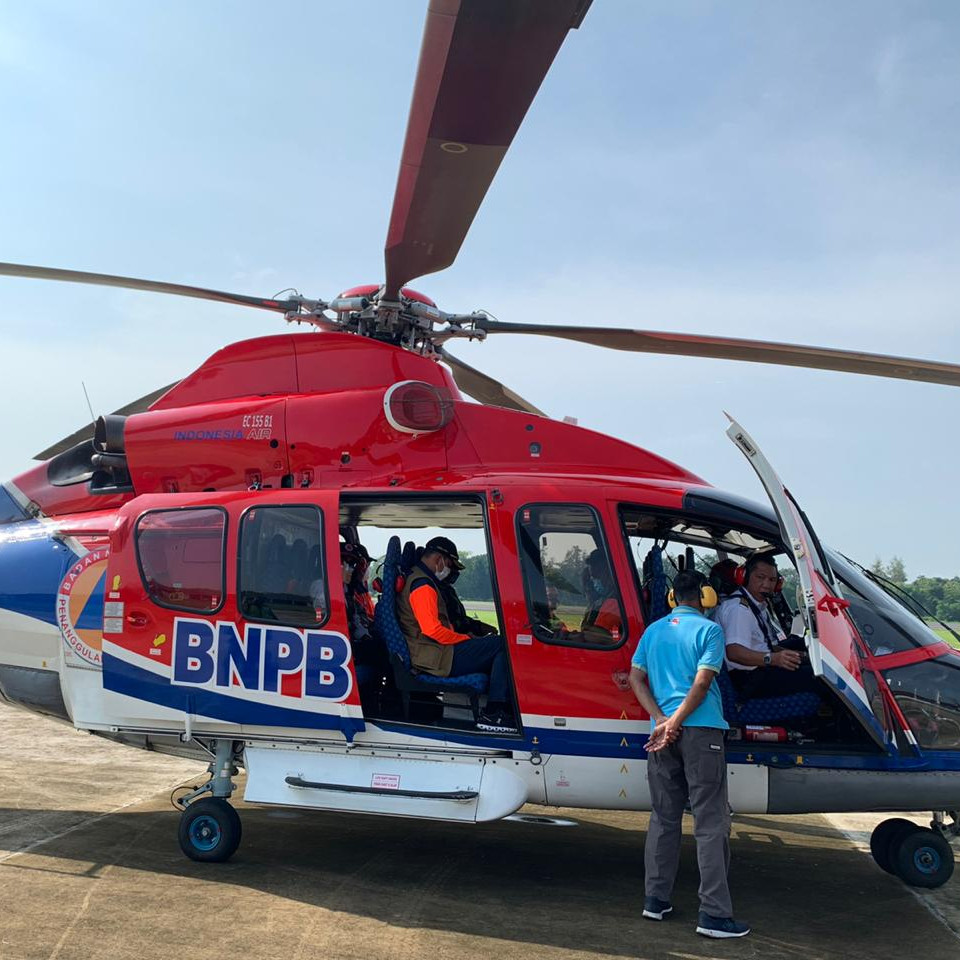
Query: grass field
point(487, 616)
point(946, 635)
point(571, 616)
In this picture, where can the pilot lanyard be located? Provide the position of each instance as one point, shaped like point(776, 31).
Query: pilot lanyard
point(764, 623)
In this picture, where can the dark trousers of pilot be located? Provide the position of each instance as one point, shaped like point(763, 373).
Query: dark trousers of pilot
point(483, 655)
point(762, 682)
point(694, 766)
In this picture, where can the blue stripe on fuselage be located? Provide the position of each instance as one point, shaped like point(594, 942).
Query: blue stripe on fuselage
point(132, 681)
point(602, 743)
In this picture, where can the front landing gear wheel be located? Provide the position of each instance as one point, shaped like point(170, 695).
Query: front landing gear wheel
point(923, 858)
point(884, 839)
point(210, 830)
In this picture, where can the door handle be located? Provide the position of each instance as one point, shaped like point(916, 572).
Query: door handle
point(137, 619)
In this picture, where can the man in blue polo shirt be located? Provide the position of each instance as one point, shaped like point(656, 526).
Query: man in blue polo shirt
point(673, 676)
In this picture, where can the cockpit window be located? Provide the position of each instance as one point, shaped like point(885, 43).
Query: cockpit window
point(929, 696)
point(885, 625)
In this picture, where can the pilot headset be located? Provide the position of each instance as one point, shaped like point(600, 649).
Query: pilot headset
point(708, 596)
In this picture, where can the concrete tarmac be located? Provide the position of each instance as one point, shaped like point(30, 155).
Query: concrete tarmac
point(90, 869)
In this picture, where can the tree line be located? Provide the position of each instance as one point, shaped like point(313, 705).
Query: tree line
point(940, 595)
point(566, 575)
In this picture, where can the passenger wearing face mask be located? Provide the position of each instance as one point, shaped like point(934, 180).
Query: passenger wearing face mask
point(367, 652)
point(601, 621)
point(358, 619)
point(437, 648)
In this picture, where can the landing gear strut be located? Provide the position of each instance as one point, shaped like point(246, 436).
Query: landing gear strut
point(920, 856)
point(210, 828)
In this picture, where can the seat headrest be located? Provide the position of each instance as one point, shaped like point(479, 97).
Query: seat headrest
point(393, 551)
point(408, 556)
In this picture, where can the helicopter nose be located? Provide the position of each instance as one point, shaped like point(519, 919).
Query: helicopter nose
point(32, 568)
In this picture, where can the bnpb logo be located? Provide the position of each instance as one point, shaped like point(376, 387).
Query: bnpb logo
point(80, 605)
point(264, 659)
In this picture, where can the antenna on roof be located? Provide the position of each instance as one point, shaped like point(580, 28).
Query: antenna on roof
point(89, 404)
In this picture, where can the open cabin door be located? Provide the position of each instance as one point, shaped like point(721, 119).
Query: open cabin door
point(833, 641)
point(225, 613)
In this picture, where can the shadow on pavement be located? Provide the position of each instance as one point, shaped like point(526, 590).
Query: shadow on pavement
point(578, 888)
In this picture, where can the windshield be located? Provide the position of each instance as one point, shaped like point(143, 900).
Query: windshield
point(885, 624)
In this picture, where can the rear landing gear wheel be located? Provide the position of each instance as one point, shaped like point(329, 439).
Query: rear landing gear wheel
point(210, 830)
point(884, 839)
point(923, 858)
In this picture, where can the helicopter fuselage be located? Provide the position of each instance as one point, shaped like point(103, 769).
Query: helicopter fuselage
point(303, 422)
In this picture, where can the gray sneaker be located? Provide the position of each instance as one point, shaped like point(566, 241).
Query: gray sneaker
point(720, 928)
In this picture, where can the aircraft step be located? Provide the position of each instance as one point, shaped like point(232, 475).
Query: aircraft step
point(468, 789)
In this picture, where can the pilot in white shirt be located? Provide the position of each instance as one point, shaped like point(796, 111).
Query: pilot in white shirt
point(758, 666)
point(749, 624)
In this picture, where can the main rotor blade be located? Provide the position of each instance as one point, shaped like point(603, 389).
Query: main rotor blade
point(481, 64)
point(152, 286)
point(485, 389)
point(730, 348)
point(86, 433)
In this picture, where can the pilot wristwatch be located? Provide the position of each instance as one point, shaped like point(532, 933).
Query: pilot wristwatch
point(767, 659)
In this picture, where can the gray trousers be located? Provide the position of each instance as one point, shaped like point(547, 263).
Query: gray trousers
point(694, 765)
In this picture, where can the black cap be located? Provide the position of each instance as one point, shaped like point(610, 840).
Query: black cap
point(351, 552)
point(445, 546)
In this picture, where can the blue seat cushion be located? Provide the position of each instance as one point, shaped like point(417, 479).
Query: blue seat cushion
point(476, 682)
point(768, 710)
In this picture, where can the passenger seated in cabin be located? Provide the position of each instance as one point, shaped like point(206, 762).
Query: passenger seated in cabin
point(758, 663)
point(722, 575)
point(298, 573)
point(437, 648)
point(601, 623)
point(358, 583)
point(354, 561)
point(276, 564)
point(553, 603)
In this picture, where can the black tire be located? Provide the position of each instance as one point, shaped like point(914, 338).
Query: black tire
point(923, 858)
point(885, 837)
point(210, 830)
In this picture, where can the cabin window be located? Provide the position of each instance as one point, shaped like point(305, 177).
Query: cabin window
point(571, 591)
point(180, 555)
point(281, 573)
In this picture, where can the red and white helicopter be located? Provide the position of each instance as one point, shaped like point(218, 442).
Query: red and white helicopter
point(170, 576)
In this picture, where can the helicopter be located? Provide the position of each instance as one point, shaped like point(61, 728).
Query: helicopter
point(170, 577)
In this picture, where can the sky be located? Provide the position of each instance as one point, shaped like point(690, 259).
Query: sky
point(786, 171)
